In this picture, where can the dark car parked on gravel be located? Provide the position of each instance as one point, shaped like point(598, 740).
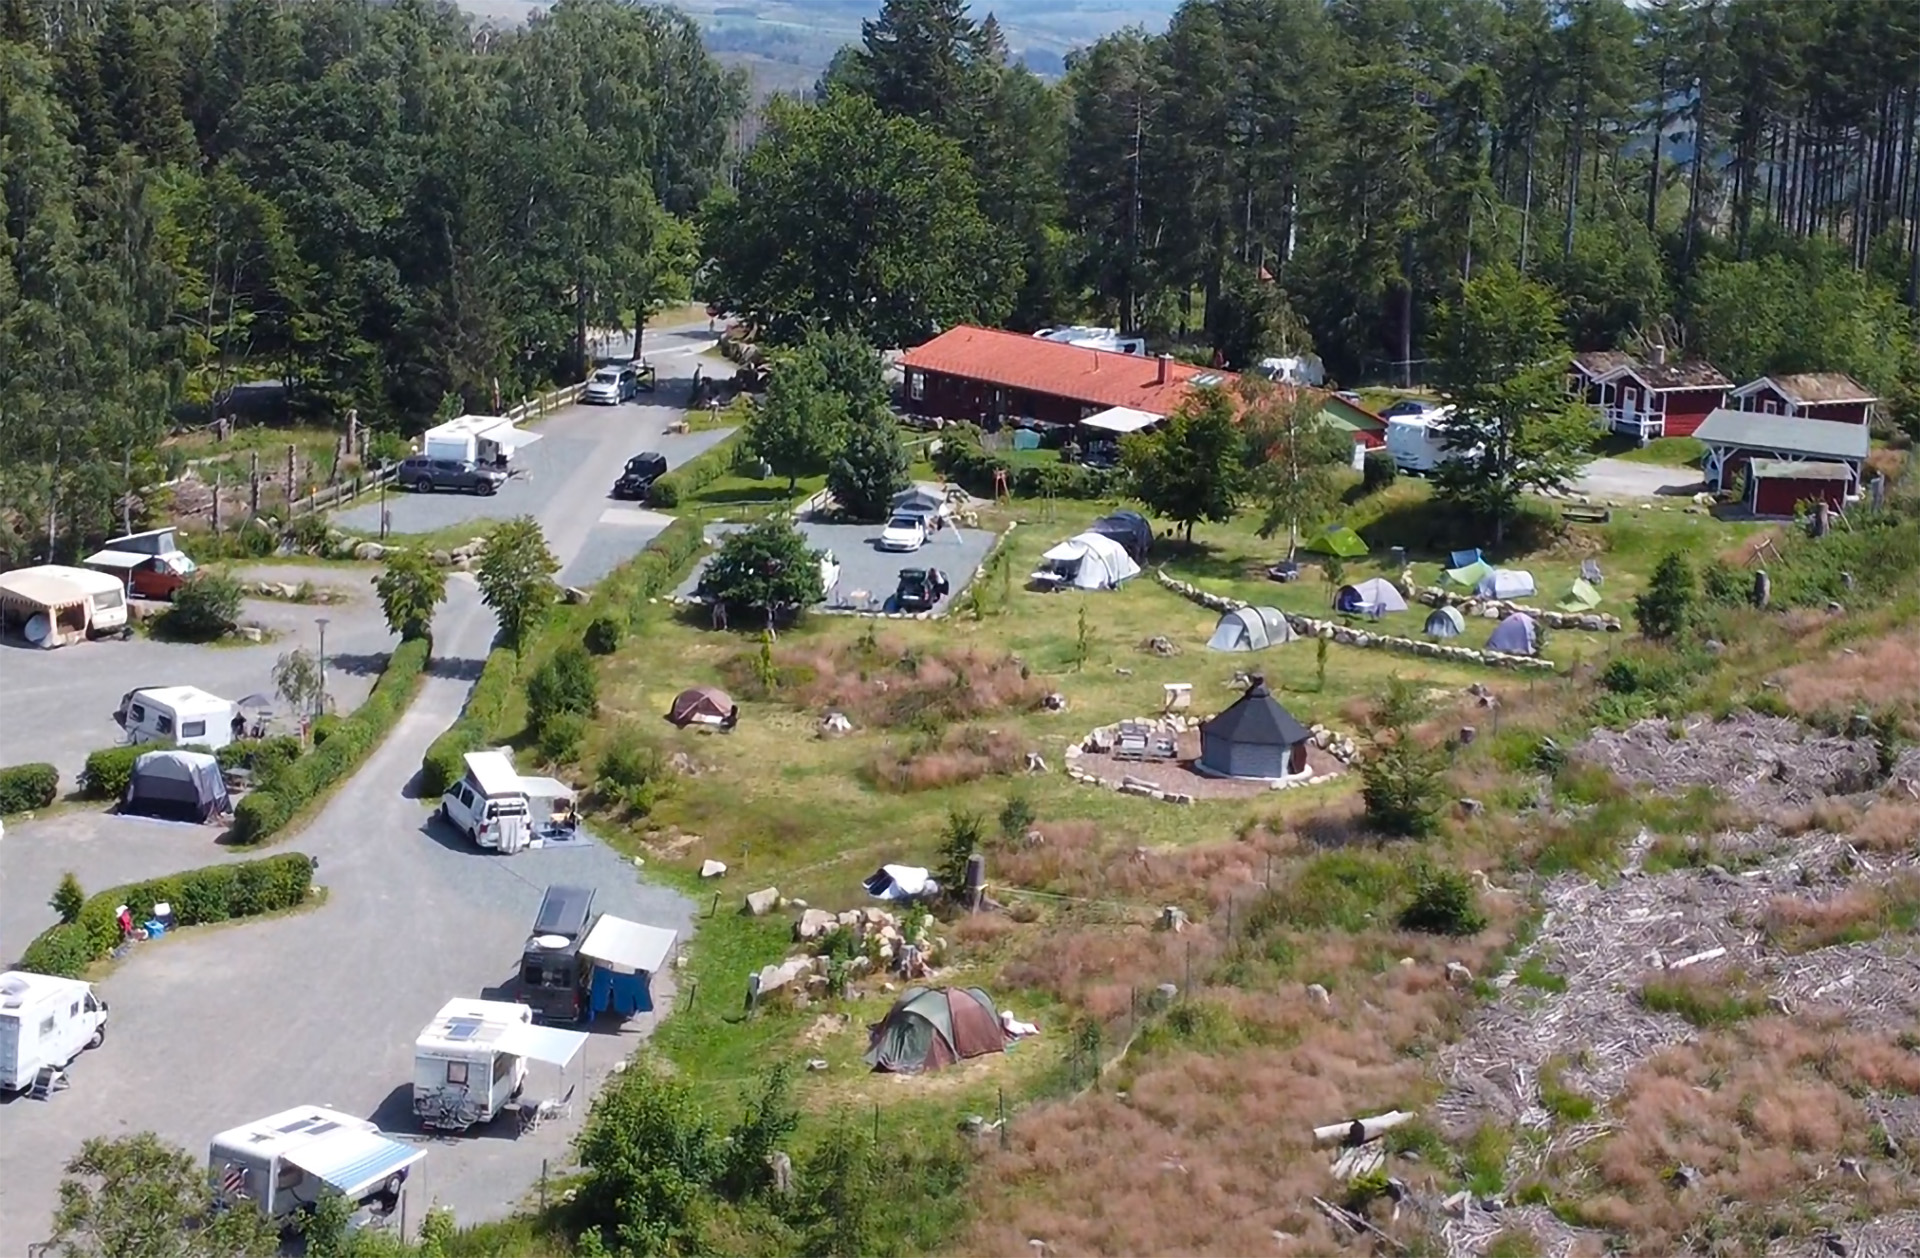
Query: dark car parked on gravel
point(427, 475)
point(639, 474)
point(920, 589)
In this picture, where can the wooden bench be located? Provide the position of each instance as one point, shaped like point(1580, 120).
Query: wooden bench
point(1586, 515)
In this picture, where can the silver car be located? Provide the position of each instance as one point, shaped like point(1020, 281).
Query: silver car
point(610, 386)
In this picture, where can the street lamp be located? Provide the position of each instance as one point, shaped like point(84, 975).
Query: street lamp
point(322, 698)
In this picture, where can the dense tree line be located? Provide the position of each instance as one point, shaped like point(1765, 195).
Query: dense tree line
point(385, 206)
point(1272, 174)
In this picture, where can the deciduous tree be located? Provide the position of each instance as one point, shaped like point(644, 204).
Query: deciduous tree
point(1190, 469)
point(410, 586)
point(767, 567)
point(1499, 359)
point(137, 1196)
point(1295, 460)
point(515, 574)
point(870, 468)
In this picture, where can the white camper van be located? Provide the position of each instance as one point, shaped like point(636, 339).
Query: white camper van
point(186, 716)
point(489, 804)
point(464, 1068)
point(45, 1023)
point(284, 1163)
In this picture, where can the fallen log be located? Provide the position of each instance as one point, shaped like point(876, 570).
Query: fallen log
point(1361, 1130)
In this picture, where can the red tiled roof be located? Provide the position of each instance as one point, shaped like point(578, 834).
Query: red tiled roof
point(1094, 377)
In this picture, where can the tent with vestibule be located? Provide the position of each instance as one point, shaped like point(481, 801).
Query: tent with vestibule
point(1506, 583)
point(1250, 629)
point(932, 1027)
point(1370, 597)
point(1582, 597)
point(1340, 541)
point(1446, 622)
point(1516, 635)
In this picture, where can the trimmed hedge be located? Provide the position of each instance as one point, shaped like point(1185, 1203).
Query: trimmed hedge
point(265, 811)
point(695, 474)
point(110, 769)
point(217, 893)
point(648, 575)
point(27, 786)
point(443, 764)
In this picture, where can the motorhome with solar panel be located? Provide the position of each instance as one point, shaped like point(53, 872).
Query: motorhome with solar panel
point(285, 1163)
point(465, 1067)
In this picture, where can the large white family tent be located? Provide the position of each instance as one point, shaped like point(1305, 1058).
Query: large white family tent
point(1091, 561)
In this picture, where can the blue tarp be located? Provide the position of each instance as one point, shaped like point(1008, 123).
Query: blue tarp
point(625, 994)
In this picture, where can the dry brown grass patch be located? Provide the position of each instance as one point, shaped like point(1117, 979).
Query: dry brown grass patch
point(887, 685)
point(962, 755)
point(1866, 675)
point(1858, 913)
point(1890, 825)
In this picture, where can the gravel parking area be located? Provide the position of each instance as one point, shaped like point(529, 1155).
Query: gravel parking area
point(58, 705)
point(1621, 478)
point(868, 574)
point(623, 529)
point(537, 471)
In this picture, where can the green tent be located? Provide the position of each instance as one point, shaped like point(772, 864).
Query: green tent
point(1470, 575)
point(1581, 598)
point(1340, 540)
point(931, 1027)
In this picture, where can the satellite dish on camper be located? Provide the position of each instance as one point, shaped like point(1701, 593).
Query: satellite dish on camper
point(37, 629)
point(551, 941)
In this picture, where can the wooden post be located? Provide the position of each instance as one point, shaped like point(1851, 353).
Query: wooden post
point(126, 490)
point(216, 504)
point(1762, 589)
point(253, 486)
point(291, 455)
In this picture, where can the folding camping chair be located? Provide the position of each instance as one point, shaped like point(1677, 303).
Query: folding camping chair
point(1465, 558)
point(1590, 572)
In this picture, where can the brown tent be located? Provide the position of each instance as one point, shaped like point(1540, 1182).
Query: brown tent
point(705, 705)
point(931, 1027)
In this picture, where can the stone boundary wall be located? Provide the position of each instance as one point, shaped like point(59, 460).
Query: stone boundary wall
point(1308, 626)
point(1472, 605)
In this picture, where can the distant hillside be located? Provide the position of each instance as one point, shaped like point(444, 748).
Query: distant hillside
point(785, 44)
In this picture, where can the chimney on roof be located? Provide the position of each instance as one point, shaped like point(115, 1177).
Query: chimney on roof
point(1166, 361)
point(1658, 355)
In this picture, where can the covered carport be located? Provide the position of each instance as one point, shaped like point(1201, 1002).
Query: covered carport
point(1737, 440)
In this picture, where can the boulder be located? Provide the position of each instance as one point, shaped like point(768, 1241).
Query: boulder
point(369, 550)
point(762, 902)
point(252, 633)
point(1055, 702)
point(1458, 974)
point(813, 924)
point(782, 974)
point(574, 594)
point(712, 869)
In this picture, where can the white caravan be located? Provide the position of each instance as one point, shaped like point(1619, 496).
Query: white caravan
point(284, 1163)
point(186, 716)
point(489, 440)
point(489, 804)
point(45, 1023)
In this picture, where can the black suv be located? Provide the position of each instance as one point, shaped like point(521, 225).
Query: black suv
point(426, 475)
point(920, 589)
point(640, 473)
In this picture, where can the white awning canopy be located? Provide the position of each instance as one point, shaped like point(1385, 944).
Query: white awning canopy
point(551, 1044)
point(629, 945)
point(351, 1161)
point(546, 788)
point(1121, 419)
point(125, 559)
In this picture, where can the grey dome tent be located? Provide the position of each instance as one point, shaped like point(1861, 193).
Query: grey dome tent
point(1516, 635)
point(1506, 583)
point(1250, 629)
point(931, 1027)
point(1446, 622)
point(1377, 594)
point(176, 786)
point(1130, 529)
point(1255, 738)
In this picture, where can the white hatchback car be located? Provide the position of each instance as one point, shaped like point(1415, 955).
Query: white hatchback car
point(904, 532)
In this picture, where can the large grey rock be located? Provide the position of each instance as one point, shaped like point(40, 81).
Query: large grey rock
point(762, 902)
point(812, 925)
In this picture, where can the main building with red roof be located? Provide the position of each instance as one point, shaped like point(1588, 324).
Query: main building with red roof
point(980, 374)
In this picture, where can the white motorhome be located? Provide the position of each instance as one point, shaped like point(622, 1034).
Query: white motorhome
point(488, 440)
point(186, 716)
point(1108, 339)
point(489, 804)
point(45, 1022)
point(464, 1068)
point(285, 1163)
point(1414, 437)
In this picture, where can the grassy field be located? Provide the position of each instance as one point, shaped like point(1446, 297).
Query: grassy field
point(1282, 889)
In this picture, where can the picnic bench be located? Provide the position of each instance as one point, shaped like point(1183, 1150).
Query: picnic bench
point(1586, 515)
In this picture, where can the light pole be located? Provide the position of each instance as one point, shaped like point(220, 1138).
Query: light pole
point(322, 698)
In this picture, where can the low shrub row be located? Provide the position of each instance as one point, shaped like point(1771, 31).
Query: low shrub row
point(442, 766)
point(267, 809)
point(217, 893)
point(963, 461)
point(108, 770)
point(24, 787)
point(695, 474)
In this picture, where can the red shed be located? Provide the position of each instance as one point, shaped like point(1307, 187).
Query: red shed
point(1829, 395)
point(1779, 486)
